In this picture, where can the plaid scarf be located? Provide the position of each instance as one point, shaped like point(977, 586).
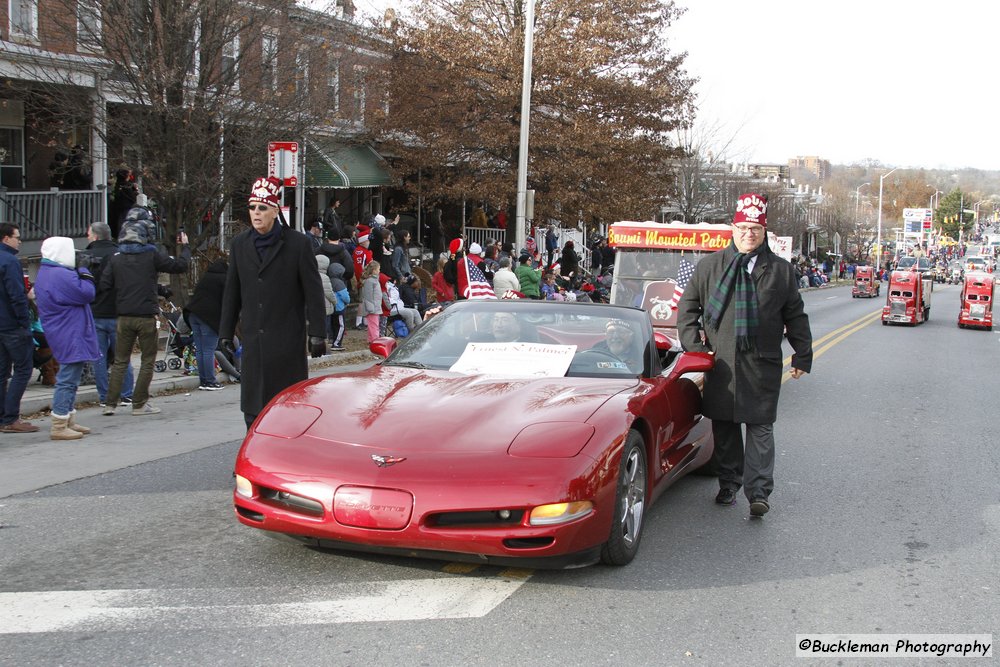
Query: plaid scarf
point(736, 283)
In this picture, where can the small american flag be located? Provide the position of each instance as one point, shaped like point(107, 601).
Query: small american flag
point(472, 283)
point(684, 273)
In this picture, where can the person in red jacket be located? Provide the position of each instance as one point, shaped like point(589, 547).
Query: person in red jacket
point(362, 256)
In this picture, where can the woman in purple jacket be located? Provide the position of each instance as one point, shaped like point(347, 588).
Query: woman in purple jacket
point(63, 294)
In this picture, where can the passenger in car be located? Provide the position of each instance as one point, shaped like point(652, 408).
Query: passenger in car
point(621, 342)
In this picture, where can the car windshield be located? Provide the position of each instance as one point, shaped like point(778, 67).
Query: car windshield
point(526, 339)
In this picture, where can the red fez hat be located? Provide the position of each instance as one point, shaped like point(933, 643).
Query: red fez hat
point(265, 191)
point(751, 208)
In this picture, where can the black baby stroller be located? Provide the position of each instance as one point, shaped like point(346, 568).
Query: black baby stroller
point(180, 342)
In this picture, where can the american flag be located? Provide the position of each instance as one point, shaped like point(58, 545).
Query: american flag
point(472, 283)
point(684, 273)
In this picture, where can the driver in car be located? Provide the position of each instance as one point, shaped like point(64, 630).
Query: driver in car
point(620, 342)
point(506, 328)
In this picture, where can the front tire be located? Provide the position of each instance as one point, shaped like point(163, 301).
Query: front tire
point(630, 504)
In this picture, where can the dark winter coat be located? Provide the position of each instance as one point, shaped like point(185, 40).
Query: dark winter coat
point(206, 302)
point(273, 299)
point(338, 254)
point(104, 303)
point(14, 314)
point(569, 262)
point(132, 274)
point(744, 386)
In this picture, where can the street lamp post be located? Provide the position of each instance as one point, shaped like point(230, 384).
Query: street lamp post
point(934, 198)
point(520, 235)
point(857, 201)
point(878, 232)
point(857, 206)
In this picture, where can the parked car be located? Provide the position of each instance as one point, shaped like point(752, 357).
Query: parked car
point(544, 451)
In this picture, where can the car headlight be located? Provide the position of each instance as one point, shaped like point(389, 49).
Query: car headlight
point(244, 487)
point(556, 513)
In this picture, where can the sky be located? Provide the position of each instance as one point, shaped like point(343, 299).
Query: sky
point(904, 82)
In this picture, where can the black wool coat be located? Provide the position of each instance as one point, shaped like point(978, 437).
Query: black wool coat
point(744, 386)
point(206, 302)
point(276, 300)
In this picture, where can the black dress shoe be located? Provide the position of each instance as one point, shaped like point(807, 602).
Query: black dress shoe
point(759, 507)
point(726, 497)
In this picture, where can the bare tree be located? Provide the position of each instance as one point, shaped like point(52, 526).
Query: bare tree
point(606, 95)
point(191, 91)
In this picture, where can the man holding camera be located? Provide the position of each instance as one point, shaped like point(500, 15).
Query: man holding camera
point(100, 248)
point(132, 274)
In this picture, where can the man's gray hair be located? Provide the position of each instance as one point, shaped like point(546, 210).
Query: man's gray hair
point(505, 262)
point(101, 230)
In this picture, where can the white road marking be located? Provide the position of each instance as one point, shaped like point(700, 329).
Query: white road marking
point(186, 608)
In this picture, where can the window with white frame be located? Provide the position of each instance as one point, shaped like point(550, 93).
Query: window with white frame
point(230, 62)
point(302, 72)
point(88, 24)
point(359, 95)
point(333, 84)
point(269, 61)
point(23, 18)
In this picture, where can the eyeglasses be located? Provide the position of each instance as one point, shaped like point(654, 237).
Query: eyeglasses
point(749, 231)
point(258, 207)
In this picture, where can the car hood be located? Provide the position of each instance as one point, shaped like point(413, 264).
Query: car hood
point(439, 410)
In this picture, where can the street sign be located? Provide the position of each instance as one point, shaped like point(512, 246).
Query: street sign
point(917, 219)
point(283, 161)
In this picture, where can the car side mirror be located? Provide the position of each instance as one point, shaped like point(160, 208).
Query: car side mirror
point(382, 346)
point(691, 362)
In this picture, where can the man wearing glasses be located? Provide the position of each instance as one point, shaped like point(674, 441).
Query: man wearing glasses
point(740, 303)
point(16, 345)
point(273, 289)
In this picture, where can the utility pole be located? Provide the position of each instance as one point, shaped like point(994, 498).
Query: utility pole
point(522, 162)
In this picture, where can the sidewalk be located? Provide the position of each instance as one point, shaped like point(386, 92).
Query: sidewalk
point(38, 397)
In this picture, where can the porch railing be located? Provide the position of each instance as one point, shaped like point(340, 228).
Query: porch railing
point(40, 214)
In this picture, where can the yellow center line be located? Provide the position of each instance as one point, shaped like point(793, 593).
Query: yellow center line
point(824, 343)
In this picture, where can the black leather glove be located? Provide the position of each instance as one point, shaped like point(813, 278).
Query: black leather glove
point(226, 347)
point(317, 346)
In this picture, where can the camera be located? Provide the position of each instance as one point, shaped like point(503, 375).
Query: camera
point(86, 261)
point(180, 233)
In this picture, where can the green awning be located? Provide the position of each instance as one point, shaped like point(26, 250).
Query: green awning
point(334, 164)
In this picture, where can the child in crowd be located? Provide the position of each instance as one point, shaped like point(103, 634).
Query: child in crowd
point(370, 307)
point(337, 324)
point(329, 299)
point(549, 287)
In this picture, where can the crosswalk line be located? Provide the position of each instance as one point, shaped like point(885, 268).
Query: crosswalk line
point(142, 609)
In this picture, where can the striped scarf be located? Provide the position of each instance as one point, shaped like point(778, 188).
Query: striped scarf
point(737, 284)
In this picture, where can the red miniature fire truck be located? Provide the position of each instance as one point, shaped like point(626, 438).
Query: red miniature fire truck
point(977, 301)
point(909, 297)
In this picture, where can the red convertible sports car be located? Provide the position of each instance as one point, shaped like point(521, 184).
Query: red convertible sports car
point(513, 432)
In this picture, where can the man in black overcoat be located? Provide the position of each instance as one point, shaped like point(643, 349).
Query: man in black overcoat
point(274, 291)
point(744, 300)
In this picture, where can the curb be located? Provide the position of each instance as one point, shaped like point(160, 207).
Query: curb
point(38, 398)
